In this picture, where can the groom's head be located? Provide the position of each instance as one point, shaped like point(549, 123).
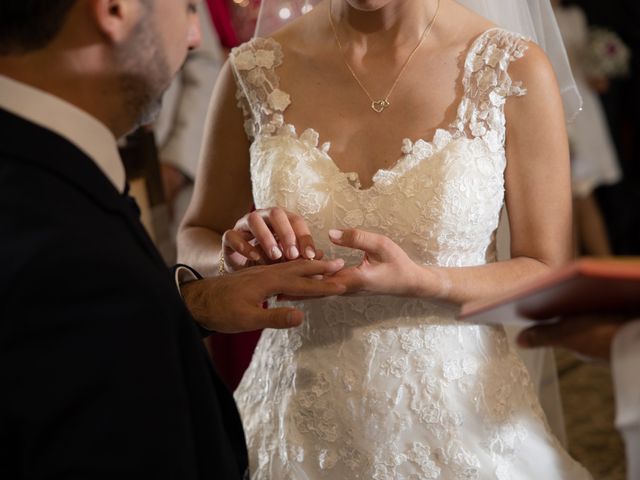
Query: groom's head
point(115, 57)
point(30, 24)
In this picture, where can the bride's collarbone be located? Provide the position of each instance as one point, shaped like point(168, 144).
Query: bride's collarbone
point(326, 98)
point(326, 91)
point(345, 118)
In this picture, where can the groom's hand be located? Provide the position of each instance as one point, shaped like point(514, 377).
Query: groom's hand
point(234, 302)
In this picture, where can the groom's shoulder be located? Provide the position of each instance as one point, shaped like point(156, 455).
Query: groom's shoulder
point(48, 224)
point(35, 198)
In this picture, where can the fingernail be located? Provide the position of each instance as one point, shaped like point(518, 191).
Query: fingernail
point(292, 319)
point(310, 252)
point(255, 256)
point(276, 253)
point(293, 252)
point(335, 234)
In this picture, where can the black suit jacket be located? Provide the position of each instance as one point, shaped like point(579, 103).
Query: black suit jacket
point(103, 374)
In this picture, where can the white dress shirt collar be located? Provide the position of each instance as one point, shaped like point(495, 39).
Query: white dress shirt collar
point(67, 121)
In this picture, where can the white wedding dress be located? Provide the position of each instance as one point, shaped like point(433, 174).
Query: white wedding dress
point(383, 387)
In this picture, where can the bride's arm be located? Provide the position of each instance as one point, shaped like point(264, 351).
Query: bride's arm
point(538, 199)
point(222, 192)
point(217, 218)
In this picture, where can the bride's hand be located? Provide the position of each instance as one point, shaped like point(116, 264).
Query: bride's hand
point(267, 236)
point(385, 269)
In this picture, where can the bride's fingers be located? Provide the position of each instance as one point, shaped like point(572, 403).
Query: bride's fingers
point(264, 236)
point(303, 235)
point(281, 226)
point(237, 241)
point(284, 235)
point(374, 244)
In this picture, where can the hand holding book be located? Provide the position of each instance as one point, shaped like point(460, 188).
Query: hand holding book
point(580, 307)
point(584, 287)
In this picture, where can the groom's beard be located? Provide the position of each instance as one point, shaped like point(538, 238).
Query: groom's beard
point(146, 75)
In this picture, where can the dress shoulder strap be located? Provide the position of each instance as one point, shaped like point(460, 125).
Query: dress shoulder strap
point(262, 102)
point(487, 84)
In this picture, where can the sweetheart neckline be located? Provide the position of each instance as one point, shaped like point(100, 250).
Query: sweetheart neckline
point(451, 129)
point(442, 138)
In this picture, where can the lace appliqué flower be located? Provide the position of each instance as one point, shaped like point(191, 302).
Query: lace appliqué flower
point(487, 84)
point(278, 100)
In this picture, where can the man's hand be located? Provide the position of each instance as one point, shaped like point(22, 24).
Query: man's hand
point(590, 336)
point(234, 302)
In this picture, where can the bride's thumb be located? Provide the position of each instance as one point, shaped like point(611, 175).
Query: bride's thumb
point(358, 239)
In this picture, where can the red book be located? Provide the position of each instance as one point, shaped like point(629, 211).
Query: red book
point(583, 287)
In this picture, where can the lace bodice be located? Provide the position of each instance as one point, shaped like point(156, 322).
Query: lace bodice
point(382, 387)
point(442, 198)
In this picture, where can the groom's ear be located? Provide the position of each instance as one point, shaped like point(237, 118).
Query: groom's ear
point(116, 20)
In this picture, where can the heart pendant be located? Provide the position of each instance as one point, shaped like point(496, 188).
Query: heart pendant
point(379, 105)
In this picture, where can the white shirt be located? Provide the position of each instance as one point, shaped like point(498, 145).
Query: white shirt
point(625, 363)
point(83, 130)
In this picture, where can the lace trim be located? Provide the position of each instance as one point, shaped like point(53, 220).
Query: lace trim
point(480, 113)
point(487, 85)
point(258, 95)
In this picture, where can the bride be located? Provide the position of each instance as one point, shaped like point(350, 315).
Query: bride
point(389, 133)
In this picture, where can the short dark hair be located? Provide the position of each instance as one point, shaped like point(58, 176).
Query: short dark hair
point(27, 25)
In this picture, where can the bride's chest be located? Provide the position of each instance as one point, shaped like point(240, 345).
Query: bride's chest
point(448, 190)
point(330, 101)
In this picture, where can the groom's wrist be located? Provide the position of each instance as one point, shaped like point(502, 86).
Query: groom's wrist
point(183, 274)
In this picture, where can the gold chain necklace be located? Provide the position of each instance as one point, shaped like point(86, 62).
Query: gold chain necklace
point(379, 105)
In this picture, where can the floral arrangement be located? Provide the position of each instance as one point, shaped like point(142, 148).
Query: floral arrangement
point(606, 56)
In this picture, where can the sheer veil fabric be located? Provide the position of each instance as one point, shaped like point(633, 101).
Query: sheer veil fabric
point(535, 19)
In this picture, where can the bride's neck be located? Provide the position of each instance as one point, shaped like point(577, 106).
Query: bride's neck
point(394, 22)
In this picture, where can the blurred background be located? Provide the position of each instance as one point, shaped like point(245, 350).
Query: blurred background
point(603, 42)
